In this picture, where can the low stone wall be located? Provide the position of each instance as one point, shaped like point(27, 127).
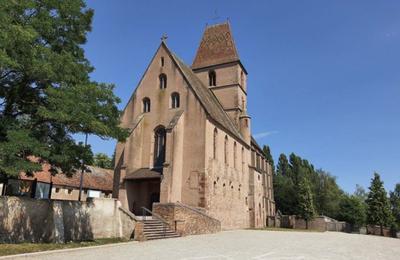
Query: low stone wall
point(32, 220)
point(376, 230)
point(315, 224)
point(187, 220)
point(274, 221)
point(321, 223)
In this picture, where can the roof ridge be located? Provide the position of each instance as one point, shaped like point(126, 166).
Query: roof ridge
point(226, 121)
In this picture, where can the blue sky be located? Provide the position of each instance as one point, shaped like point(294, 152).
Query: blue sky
point(324, 79)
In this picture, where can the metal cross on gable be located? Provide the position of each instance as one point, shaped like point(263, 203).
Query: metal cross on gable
point(164, 37)
point(216, 17)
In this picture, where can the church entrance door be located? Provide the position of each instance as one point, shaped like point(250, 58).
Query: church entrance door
point(142, 193)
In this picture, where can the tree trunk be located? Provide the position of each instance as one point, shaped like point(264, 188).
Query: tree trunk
point(381, 229)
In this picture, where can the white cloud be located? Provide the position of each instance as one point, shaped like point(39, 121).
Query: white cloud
point(264, 134)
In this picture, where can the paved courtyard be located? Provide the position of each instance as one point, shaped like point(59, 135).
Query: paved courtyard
point(245, 244)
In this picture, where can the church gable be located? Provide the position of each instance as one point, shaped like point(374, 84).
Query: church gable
point(167, 75)
point(161, 92)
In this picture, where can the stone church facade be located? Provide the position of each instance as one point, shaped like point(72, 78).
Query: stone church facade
point(190, 137)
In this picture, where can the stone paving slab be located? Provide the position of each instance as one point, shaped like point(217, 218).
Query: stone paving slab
point(243, 244)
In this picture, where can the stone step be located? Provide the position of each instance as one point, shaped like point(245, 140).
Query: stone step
point(160, 226)
point(158, 232)
point(151, 220)
point(155, 229)
point(152, 223)
point(161, 237)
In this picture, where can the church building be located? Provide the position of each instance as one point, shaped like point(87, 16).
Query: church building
point(190, 137)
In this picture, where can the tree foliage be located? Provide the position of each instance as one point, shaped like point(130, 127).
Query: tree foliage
point(103, 161)
point(352, 210)
point(300, 189)
point(325, 193)
point(305, 203)
point(395, 204)
point(46, 94)
point(268, 156)
point(360, 193)
point(378, 207)
point(283, 168)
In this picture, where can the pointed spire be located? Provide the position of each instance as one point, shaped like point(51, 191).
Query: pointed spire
point(216, 47)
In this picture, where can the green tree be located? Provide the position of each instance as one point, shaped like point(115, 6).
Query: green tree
point(283, 166)
point(102, 160)
point(327, 194)
point(395, 204)
point(352, 210)
point(305, 204)
point(284, 194)
point(268, 156)
point(284, 188)
point(296, 168)
point(46, 94)
point(378, 207)
point(360, 193)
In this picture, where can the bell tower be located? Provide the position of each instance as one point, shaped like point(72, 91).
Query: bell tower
point(218, 66)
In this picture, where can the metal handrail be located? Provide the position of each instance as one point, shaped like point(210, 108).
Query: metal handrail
point(163, 221)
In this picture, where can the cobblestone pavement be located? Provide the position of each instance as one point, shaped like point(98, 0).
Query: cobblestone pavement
point(244, 244)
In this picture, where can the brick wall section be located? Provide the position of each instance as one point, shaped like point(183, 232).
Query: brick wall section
point(139, 234)
point(187, 220)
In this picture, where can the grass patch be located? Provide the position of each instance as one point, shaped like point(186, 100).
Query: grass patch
point(22, 248)
point(287, 229)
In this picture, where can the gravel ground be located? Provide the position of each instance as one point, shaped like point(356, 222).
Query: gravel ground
point(244, 244)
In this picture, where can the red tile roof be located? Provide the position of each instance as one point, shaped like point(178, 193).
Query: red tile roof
point(216, 47)
point(96, 179)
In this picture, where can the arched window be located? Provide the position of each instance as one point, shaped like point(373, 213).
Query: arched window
point(162, 61)
point(175, 102)
point(234, 155)
point(212, 78)
point(215, 143)
point(146, 105)
point(226, 150)
point(159, 146)
point(163, 81)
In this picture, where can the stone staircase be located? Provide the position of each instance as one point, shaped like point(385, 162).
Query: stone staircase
point(155, 229)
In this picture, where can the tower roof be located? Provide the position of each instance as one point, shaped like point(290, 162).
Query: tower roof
point(216, 47)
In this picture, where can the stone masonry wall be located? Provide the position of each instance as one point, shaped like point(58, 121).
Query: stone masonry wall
point(187, 220)
point(320, 223)
point(31, 220)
